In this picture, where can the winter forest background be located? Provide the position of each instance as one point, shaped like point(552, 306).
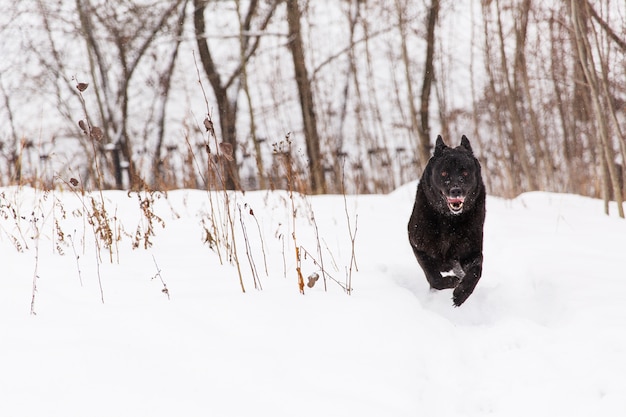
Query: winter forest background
point(323, 96)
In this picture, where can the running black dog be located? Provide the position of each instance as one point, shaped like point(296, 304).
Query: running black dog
point(446, 226)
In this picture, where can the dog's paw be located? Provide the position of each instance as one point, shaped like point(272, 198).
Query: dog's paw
point(460, 294)
point(446, 282)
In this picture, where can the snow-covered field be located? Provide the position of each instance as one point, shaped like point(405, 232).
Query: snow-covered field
point(544, 334)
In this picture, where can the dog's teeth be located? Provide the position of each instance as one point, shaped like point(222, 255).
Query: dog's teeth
point(456, 207)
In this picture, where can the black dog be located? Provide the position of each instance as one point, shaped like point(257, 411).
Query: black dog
point(446, 226)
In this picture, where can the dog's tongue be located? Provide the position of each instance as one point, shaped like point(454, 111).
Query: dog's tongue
point(455, 200)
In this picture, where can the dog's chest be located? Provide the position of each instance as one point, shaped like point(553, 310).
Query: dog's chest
point(450, 240)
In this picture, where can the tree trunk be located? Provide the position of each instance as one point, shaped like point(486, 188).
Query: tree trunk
point(429, 76)
point(317, 180)
point(608, 154)
point(227, 109)
point(519, 139)
point(538, 141)
point(258, 156)
point(158, 180)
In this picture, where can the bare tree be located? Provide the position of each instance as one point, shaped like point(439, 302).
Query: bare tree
point(422, 148)
point(512, 100)
point(131, 31)
point(547, 89)
point(10, 146)
point(165, 85)
point(427, 81)
point(611, 176)
point(305, 91)
point(244, 23)
point(226, 89)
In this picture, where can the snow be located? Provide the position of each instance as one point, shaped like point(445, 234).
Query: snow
point(542, 335)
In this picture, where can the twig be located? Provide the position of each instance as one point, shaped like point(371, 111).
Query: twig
point(255, 274)
point(165, 290)
point(319, 248)
point(98, 262)
point(290, 182)
point(258, 226)
point(35, 273)
point(348, 290)
point(351, 232)
point(77, 256)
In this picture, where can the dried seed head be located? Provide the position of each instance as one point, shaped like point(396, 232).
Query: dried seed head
point(83, 126)
point(226, 149)
point(97, 133)
point(208, 124)
point(74, 182)
point(82, 86)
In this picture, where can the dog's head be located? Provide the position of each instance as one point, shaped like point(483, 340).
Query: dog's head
point(454, 177)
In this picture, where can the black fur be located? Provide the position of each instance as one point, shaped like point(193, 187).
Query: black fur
point(446, 226)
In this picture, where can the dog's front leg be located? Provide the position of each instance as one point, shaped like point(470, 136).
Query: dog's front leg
point(473, 270)
point(431, 269)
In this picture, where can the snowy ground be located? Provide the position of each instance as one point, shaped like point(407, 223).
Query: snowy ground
point(544, 334)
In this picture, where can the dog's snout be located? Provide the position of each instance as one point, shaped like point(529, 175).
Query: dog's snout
point(456, 192)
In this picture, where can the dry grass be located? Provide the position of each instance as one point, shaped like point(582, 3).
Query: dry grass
point(74, 213)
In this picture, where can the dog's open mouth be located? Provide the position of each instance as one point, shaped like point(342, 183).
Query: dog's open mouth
point(456, 204)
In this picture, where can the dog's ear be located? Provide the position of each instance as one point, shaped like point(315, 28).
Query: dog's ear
point(439, 146)
point(466, 144)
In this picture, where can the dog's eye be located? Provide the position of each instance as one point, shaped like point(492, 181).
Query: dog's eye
point(444, 173)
